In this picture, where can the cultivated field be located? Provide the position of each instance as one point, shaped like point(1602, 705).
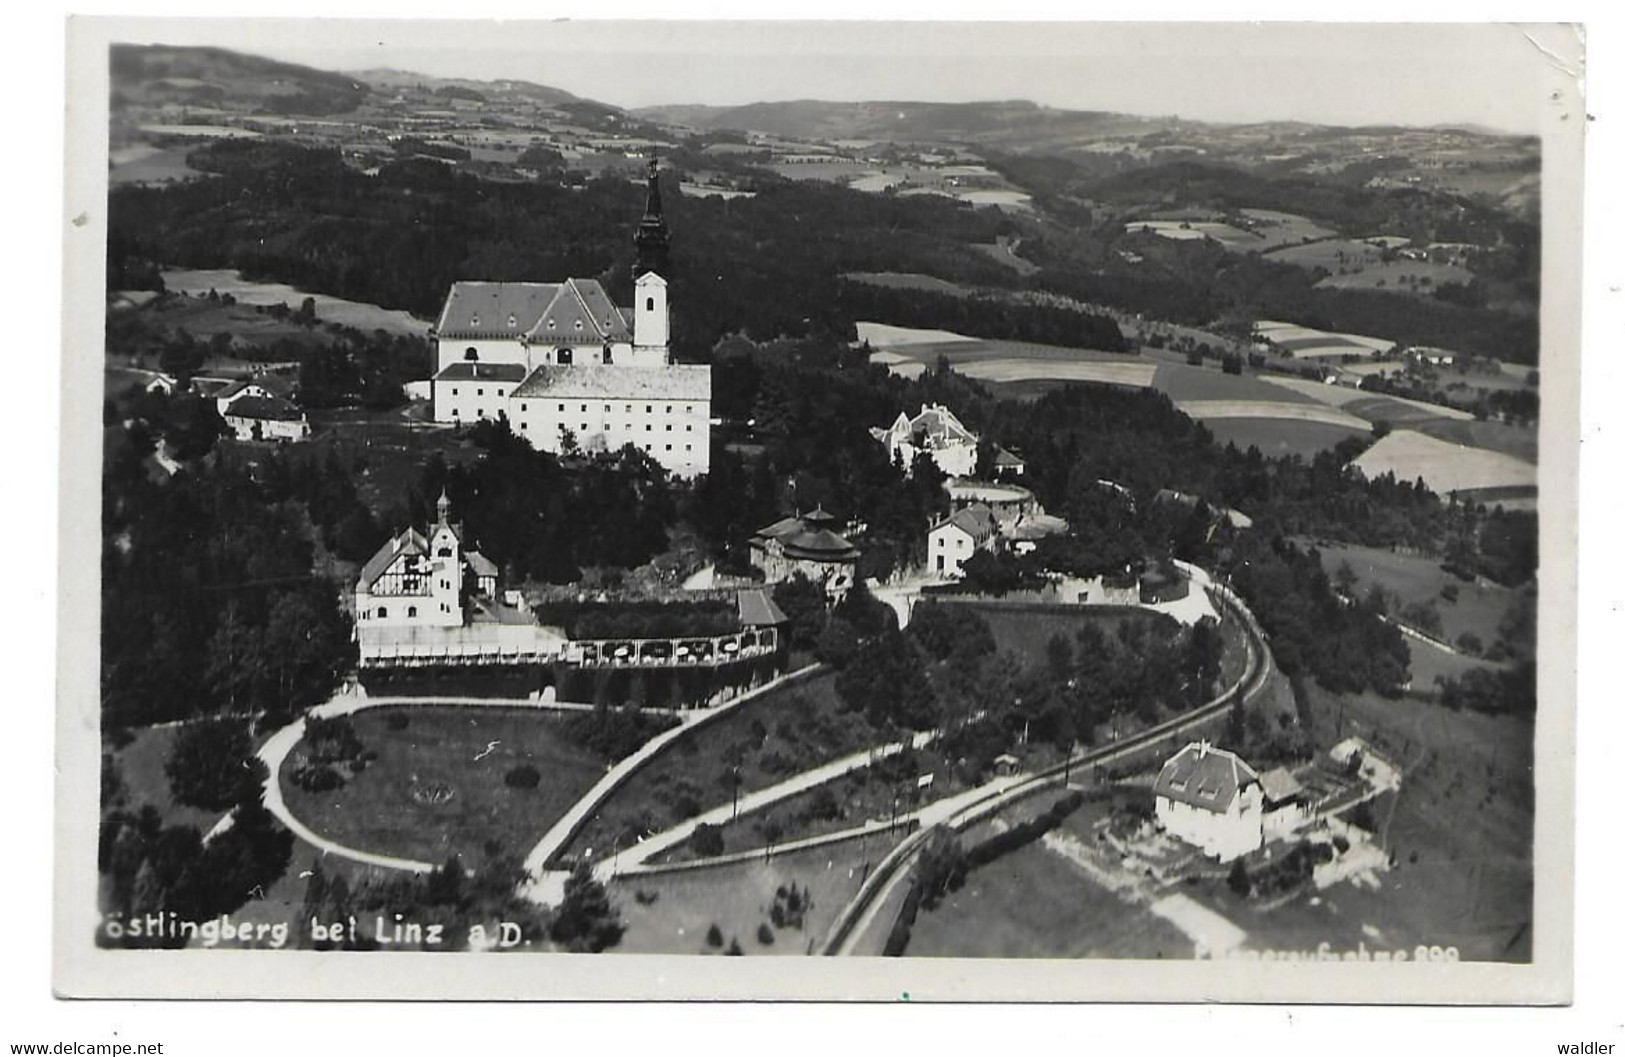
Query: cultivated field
point(884, 336)
point(1443, 466)
point(1309, 343)
point(1274, 229)
point(1183, 382)
point(399, 805)
point(1276, 437)
point(356, 314)
point(1252, 409)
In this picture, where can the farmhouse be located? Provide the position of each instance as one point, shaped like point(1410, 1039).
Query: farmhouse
point(1211, 798)
point(569, 369)
point(807, 545)
point(937, 432)
point(955, 538)
point(260, 409)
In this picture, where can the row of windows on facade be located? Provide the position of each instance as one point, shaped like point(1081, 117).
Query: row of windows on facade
point(382, 612)
point(413, 585)
point(565, 357)
point(513, 320)
point(608, 427)
point(648, 409)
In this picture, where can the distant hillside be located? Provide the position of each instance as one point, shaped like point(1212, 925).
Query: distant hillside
point(154, 74)
point(389, 79)
point(1013, 123)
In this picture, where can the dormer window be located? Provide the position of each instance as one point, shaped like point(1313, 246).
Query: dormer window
point(551, 324)
point(578, 324)
point(512, 320)
point(474, 320)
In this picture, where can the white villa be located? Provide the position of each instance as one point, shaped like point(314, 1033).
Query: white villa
point(564, 365)
point(954, 539)
point(1210, 798)
point(936, 431)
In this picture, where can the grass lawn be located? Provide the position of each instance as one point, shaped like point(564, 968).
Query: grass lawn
point(1032, 903)
point(1278, 438)
point(1461, 829)
point(1410, 579)
point(770, 738)
point(1027, 629)
point(141, 764)
point(738, 898)
point(466, 750)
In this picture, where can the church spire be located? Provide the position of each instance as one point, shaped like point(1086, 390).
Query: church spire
point(652, 239)
point(442, 508)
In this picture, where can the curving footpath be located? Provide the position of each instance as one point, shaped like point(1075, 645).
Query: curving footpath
point(861, 912)
point(276, 748)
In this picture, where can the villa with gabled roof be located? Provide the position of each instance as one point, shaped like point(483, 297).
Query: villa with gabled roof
point(935, 431)
point(1211, 798)
point(568, 368)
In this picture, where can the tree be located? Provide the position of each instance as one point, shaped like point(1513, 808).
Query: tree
point(213, 766)
point(586, 920)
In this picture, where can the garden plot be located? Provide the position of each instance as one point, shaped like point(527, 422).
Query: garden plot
point(1443, 466)
point(1357, 402)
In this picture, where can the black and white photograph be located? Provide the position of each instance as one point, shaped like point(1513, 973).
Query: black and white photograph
point(1032, 511)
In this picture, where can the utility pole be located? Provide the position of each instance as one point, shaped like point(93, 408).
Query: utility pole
point(736, 790)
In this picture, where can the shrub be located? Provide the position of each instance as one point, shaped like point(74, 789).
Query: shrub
point(684, 807)
point(764, 935)
point(317, 778)
point(524, 776)
point(397, 721)
point(1239, 882)
point(734, 950)
point(713, 936)
point(707, 840)
point(212, 765)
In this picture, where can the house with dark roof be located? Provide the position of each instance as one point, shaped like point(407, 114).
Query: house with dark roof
point(953, 540)
point(262, 409)
point(807, 545)
point(1210, 798)
point(567, 368)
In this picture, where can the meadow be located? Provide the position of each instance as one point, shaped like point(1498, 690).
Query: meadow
point(329, 309)
point(671, 913)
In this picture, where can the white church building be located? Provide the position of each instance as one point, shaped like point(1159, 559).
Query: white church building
point(567, 367)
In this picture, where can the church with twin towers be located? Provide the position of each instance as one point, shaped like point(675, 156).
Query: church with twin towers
point(568, 368)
